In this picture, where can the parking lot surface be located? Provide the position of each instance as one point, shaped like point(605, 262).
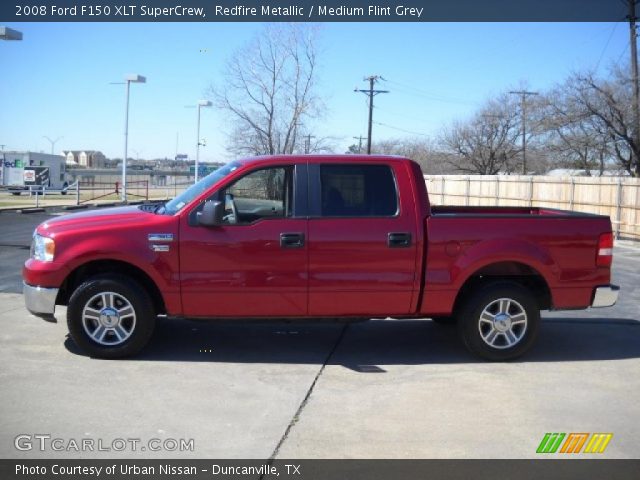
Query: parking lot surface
point(378, 389)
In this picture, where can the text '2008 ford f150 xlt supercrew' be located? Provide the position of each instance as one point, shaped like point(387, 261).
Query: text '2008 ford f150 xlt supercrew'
point(304, 237)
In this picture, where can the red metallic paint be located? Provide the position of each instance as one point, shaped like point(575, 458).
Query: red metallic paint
point(345, 267)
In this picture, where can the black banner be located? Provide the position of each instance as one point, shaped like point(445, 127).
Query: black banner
point(36, 176)
point(551, 469)
point(312, 11)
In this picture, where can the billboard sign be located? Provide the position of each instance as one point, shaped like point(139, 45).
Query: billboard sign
point(36, 176)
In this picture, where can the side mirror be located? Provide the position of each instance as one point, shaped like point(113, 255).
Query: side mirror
point(212, 214)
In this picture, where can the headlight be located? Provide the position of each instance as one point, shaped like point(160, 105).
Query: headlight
point(42, 248)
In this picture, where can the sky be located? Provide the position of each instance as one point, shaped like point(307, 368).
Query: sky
point(58, 81)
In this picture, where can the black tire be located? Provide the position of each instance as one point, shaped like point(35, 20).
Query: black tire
point(445, 320)
point(517, 337)
point(65, 186)
point(139, 327)
point(16, 193)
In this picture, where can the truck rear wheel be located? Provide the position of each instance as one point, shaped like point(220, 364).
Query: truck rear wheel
point(500, 321)
point(110, 316)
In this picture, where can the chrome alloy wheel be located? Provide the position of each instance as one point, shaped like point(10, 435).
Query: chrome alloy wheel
point(108, 318)
point(502, 323)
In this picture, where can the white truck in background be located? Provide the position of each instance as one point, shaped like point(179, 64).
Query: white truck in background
point(22, 171)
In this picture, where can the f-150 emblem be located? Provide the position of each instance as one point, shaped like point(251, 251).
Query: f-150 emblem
point(160, 237)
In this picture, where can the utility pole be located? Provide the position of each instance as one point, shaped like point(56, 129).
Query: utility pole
point(523, 107)
point(634, 78)
point(307, 143)
point(359, 138)
point(371, 93)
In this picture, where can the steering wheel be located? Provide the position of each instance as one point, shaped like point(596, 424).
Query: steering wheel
point(233, 216)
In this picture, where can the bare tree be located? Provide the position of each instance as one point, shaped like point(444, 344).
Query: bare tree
point(422, 150)
point(606, 106)
point(488, 143)
point(268, 91)
point(570, 132)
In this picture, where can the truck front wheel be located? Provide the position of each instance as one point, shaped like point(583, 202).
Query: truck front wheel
point(500, 321)
point(110, 316)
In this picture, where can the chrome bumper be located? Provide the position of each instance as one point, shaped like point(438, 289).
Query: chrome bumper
point(40, 301)
point(605, 296)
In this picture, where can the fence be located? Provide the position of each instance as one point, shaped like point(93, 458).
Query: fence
point(88, 191)
point(109, 186)
point(617, 197)
point(79, 193)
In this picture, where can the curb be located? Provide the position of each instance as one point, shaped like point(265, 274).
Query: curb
point(106, 205)
point(60, 208)
point(30, 210)
point(75, 207)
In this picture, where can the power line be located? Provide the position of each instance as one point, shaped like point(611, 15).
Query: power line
point(393, 113)
point(615, 25)
point(401, 129)
point(430, 96)
point(372, 79)
point(624, 50)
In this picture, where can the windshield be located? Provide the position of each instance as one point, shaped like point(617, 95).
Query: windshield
point(178, 203)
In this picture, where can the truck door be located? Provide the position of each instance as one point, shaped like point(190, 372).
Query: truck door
point(255, 264)
point(362, 240)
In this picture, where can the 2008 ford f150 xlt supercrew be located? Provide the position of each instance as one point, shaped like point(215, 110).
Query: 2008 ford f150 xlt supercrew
point(304, 237)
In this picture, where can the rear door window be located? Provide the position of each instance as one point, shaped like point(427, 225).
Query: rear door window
point(358, 191)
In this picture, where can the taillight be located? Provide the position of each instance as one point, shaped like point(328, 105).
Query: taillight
point(605, 250)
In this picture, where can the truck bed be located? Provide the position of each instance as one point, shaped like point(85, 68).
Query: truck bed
point(493, 211)
point(557, 245)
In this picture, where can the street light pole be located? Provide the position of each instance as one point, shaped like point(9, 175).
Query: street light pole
point(52, 142)
point(128, 79)
point(7, 33)
point(201, 103)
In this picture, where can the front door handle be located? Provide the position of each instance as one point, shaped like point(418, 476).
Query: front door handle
point(291, 240)
point(399, 239)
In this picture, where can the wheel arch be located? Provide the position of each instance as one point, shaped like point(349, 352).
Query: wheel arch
point(507, 271)
point(106, 266)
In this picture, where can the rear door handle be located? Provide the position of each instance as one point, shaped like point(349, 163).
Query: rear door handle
point(291, 240)
point(399, 239)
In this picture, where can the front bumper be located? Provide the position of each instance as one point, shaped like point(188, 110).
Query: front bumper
point(605, 296)
point(40, 301)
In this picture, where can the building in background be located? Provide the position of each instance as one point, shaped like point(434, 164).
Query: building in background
point(85, 158)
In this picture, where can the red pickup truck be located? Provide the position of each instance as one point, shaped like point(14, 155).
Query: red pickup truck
point(309, 237)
